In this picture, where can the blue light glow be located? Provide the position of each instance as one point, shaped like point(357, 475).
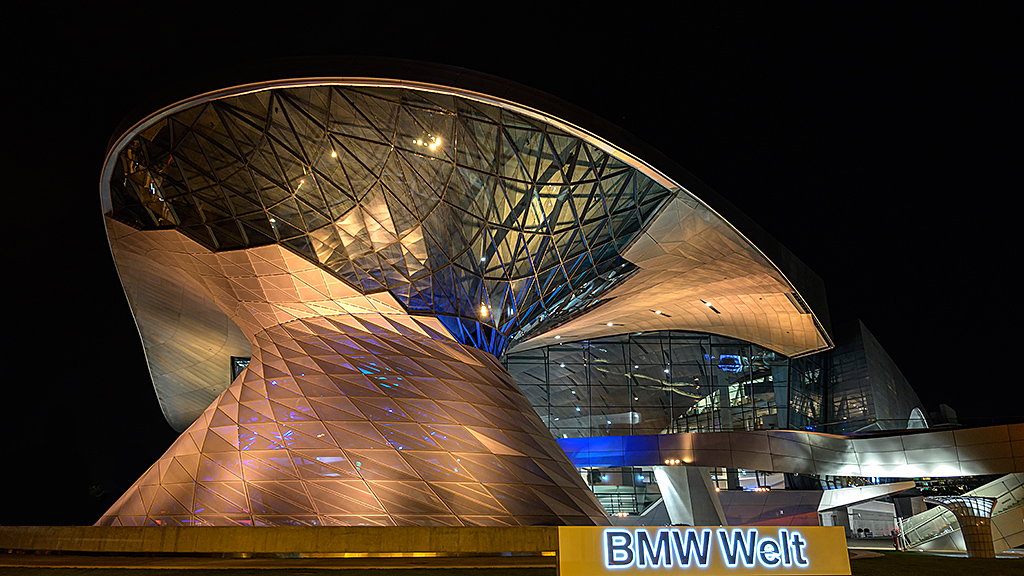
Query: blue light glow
point(669, 547)
point(730, 363)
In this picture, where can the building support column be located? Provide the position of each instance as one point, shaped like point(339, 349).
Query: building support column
point(690, 497)
point(974, 514)
point(732, 479)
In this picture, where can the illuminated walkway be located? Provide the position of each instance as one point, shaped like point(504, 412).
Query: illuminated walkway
point(947, 453)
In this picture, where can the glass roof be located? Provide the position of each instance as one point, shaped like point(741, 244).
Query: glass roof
point(499, 224)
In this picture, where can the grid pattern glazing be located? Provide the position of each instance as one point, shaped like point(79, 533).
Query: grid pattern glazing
point(358, 420)
point(350, 412)
point(667, 382)
point(868, 391)
point(497, 223)
point(974, 515)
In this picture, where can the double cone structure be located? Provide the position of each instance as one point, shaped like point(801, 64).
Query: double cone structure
point(374, 246)
point(351, 412)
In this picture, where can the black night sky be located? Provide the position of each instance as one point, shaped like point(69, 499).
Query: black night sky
point(877, 146)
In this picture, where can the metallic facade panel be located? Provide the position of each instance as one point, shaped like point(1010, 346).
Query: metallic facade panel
point(985, 435)
point(842, 497)
point(985, 466)
point(1009, 526)
point(753, 460)
point(714, 458)
point(753, 442)
point(795, 464)
point(668, 442)
point(386, 185)
point(882, 459)
point(931, 455)
point(984, 451)
point(885, 444)
point(377, 245)
point(822, 454)
point(686, 259)
point(189, 341)
point(712, 442)
point(493, 221)
point(500, 220)
point(829, 442)
point(350, 412)
point(927, 440)
point(1017, 448)
point(789, 447)
point(833, 456)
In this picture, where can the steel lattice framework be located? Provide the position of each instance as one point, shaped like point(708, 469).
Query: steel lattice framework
point(350, 413)
point(491, 220)
point(376, 245)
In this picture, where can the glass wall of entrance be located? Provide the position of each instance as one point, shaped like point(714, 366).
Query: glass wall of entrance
point(667, 382)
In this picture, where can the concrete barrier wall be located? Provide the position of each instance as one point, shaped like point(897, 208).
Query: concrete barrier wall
point(280, 540)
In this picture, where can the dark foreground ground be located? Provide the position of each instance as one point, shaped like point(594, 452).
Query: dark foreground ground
point(889, 564)
point(914, 564)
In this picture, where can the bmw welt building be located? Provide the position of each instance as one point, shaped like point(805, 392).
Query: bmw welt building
point(379, 293)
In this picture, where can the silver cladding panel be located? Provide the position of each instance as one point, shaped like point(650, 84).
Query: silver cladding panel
point(990, 450)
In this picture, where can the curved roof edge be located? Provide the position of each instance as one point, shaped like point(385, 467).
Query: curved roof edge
point(808, 284)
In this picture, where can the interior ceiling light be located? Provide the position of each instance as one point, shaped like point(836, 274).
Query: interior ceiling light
point(304, 228)
point(432, 142)
point(715, 310)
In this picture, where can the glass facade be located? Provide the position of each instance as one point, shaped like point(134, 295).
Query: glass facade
point(623, 491)
point(344, 224)
point(238, 364)
point(350, 419)
point(495, 222)
point(868, 391)
point(667, 382)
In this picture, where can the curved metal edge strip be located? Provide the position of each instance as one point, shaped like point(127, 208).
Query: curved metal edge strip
point(577, 131)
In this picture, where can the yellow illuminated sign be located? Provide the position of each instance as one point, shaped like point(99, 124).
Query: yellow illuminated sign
point(709, 550)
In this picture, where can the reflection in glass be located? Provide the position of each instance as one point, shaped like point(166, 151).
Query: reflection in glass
point(666, 382)
point(497, 223)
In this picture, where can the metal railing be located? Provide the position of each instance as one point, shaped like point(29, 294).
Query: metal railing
point(937, 522)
